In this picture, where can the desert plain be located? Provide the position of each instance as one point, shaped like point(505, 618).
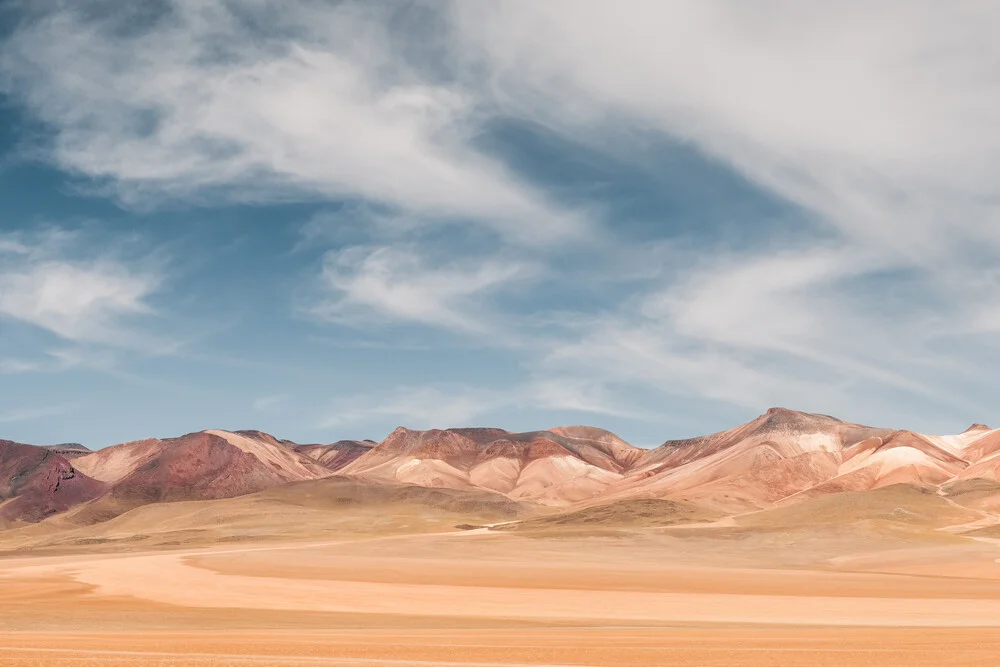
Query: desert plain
point(865, 550)
point(240, 585)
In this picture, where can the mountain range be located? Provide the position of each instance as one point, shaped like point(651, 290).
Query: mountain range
point(779, 458)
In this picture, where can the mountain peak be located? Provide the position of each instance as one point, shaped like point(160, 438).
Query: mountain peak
point(788, 412)
point(977, 427)
point(777, 417)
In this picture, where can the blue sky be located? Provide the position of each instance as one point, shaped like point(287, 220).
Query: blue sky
point(324, 220)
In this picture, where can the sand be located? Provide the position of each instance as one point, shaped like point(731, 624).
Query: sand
point(728, 596)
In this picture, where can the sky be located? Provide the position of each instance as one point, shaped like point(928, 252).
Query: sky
point(328, 219)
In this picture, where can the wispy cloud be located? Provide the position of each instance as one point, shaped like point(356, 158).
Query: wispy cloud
point(417, 407)
point(887, 134)
point(75, 302)
point(270, 402)
point(85, 299)
point(30, 414)
point(462, 404)
point(880, 288)
point(398, 283)
point(885, 138)
point(325, 102)
point(11, 366)
point(566, 393)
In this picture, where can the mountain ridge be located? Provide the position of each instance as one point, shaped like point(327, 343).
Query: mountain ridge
point(780, 457)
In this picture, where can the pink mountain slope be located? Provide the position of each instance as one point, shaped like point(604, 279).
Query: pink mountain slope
point(781, 457)
point(549, 467)
point(197, 466)
point(784, 456)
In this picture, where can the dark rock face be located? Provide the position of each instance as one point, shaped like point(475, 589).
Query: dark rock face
point(453, 448)
point(523, 450)
point(70, 450)
point(480, 436)
point(39, 482)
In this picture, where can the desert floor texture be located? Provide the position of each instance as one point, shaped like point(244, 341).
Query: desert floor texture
point(723, 592)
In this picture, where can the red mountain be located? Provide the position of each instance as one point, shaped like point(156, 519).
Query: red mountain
point(781, 457)
point(551, 467)
point(36, 482)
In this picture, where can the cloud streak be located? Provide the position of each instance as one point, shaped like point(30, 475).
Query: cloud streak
point(320, 105)
point(455, 405)
point(879, 292)
point(885, 137)
point(32, 414)
point(80, 299)
point(399, 284)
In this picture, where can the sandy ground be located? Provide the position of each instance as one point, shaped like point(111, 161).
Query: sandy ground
point(839, 597)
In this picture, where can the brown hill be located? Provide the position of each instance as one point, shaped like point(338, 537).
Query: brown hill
point(635, 513)
point(777, 455)
point(898, 503)
point(798, 431)
point(332, 507)
point(977, 493)
point(197, 466)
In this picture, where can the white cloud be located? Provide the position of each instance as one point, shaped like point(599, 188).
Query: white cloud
point(399, 283)
point(565, 393)
point(784, 328)
point(86, 300)
point(77, 303)
point(325, 105)
point(879, 118)
point(416, 407)
point(13, 247)
point(12, 366)
point(879, 122)
point(453, 405)
point(794, 304)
